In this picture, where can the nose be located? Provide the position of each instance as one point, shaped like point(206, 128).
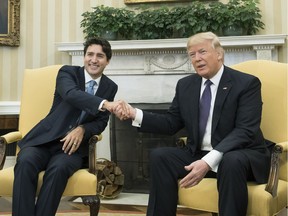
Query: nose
point(197, 56)
point(94, 58)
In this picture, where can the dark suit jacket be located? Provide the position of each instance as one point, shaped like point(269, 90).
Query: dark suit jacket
point(70, 99)
point(235, 122)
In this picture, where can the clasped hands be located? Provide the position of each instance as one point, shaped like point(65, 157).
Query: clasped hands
point(121, 109)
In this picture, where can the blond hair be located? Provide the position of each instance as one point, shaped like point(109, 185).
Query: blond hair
point(206, 36)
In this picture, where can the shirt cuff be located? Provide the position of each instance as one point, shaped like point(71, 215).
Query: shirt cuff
point(101, 105)
point(138, 118)
point(213, 159)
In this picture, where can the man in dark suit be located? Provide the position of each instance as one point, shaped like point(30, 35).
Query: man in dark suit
point(59, 143)
point(232, 148)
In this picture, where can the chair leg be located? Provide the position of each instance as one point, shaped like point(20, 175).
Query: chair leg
point(93, 202)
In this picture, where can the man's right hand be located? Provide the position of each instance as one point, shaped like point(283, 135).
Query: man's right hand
point(197, 170)
point(121, 109)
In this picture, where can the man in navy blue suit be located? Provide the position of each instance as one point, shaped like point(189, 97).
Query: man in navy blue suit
point(59, 143)
point(232, 148)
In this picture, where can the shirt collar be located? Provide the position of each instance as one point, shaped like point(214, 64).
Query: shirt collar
point(216, 78)
point(88, 78)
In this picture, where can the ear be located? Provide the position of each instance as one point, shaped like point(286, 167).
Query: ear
point(219, 56)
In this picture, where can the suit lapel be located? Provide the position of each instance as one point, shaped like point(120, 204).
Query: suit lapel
point(81, 78)
point(224, 88)
point(194, 105)
point(103, 86)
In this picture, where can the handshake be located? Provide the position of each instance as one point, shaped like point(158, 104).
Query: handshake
point(121, 109)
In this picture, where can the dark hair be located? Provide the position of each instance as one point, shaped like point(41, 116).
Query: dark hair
point(106, 47)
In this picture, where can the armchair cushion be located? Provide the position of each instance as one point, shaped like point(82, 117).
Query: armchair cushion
point(259, 201)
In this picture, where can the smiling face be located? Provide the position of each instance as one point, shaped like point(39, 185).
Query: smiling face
point(95, 60)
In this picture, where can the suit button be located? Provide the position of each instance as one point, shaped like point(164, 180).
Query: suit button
point(70, 126)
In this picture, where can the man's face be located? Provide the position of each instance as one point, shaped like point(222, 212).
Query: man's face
point(95, 61)
point(205, 59)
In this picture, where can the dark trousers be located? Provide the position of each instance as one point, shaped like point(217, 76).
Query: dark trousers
point(167, 167)
point(58, 168)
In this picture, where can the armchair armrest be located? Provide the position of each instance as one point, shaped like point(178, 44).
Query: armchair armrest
point(5, 140)
point(273, 179)
point(12, 137)
point(92, 152)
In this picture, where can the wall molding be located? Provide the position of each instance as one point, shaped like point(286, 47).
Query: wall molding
point(9, 107)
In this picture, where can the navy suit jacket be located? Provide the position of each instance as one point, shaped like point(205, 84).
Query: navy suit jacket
point(70, 99)
point(235, 122)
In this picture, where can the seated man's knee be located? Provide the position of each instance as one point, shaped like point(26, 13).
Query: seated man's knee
point(27, 157)
point(158, 154)
point(232, 161)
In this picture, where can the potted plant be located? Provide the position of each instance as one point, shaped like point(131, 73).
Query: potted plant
point(237, 17)
point(153, 24)
point(241, 16)
point(108, 22)
point(190, 19)
point(216, 17)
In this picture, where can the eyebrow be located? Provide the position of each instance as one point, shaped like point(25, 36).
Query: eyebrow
point(101, 54)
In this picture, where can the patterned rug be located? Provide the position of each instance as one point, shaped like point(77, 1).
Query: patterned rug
point(87, 214)
point(182, 212)
point(68, 208)
point(101, 214)
point(107, 214)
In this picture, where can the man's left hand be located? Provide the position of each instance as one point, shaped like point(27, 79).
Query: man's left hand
point(73, 140)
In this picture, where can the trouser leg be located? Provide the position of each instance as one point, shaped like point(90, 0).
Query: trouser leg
point(233, 172)
point(57, 173)
point(166, 167)
point(30, 161)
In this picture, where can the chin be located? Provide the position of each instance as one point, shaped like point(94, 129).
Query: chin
point(202, 73)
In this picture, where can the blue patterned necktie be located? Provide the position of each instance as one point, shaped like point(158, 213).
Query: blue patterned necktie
point(204, 109)
point(90, 90)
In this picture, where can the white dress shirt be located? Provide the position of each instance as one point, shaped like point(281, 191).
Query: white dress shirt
point(214, 157)
point(88, 78)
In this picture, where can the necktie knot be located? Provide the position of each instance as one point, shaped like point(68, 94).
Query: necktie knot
point(92, 83)
point(208, 83)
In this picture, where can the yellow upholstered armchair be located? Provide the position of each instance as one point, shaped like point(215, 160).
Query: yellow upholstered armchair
point(33, 108)
point(264, 199)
